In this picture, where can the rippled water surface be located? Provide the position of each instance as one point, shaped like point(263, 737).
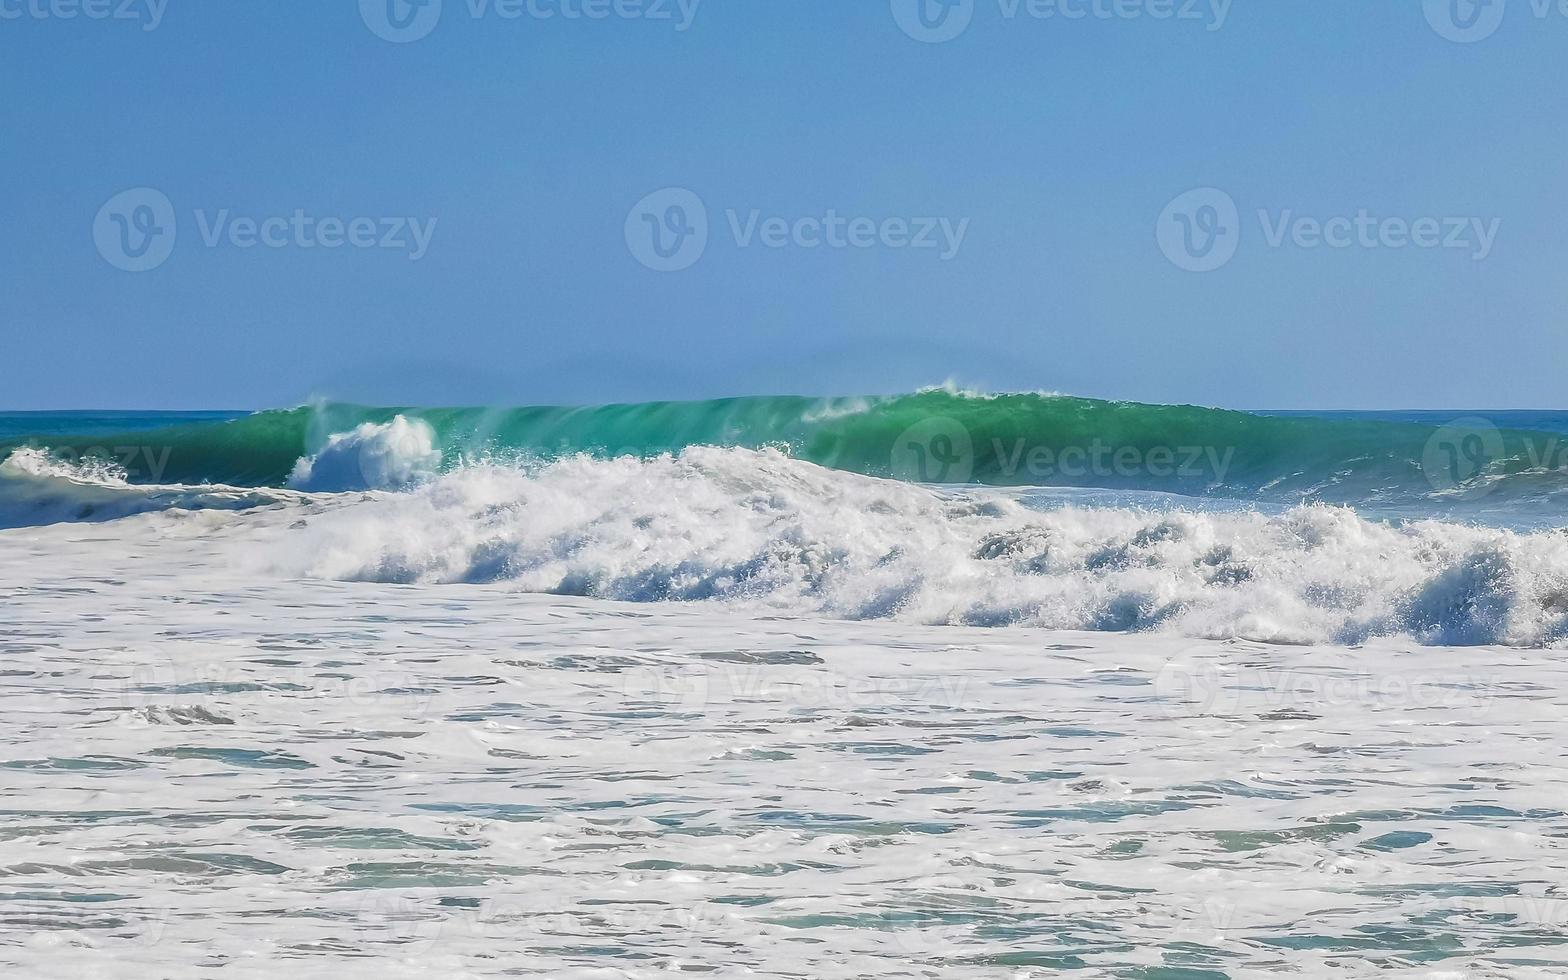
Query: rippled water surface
point(210, 773)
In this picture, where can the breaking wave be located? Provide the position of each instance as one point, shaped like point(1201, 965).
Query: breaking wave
point(760, 529)
point(939, 436)
point(1196, 521)
point(39, 488)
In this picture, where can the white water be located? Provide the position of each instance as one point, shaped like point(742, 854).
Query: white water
point(216, 771)
point(760, 530)
point(374, 456)
point(329, 735)
point(38, 489)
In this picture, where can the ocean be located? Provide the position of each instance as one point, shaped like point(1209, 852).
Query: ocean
point(937, 684)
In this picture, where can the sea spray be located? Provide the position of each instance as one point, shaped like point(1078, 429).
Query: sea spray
point(374, 456)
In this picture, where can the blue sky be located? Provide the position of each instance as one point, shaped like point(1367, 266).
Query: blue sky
point(529, 152)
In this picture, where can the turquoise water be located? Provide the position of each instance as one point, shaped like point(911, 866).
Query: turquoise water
point(1506, 468)
point(21, 425)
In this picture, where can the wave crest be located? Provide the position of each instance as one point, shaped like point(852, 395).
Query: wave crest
point(942, 435)
point(38, 488)
point(758, 528)
point(386, 456)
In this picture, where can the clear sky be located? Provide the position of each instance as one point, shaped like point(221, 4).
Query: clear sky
point(996, 193)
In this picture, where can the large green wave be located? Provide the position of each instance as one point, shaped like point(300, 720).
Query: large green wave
point(932, 436)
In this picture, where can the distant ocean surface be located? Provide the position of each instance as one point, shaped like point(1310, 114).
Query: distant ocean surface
point(939, 684)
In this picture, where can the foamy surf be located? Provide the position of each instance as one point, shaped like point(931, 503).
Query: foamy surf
point(214, 771)
point(374, 456)
point(756, 529)
point(37, 488)
point(727, 709)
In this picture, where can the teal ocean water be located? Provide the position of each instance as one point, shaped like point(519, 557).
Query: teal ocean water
point(939, 506)
point(1508, 468)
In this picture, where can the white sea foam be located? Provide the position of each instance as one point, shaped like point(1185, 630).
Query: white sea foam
point(216, 766)
point(209, 772)
point(759, 529)
point(37, 487)
point(952, 387)
point(374, 456)
point(756, 528)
